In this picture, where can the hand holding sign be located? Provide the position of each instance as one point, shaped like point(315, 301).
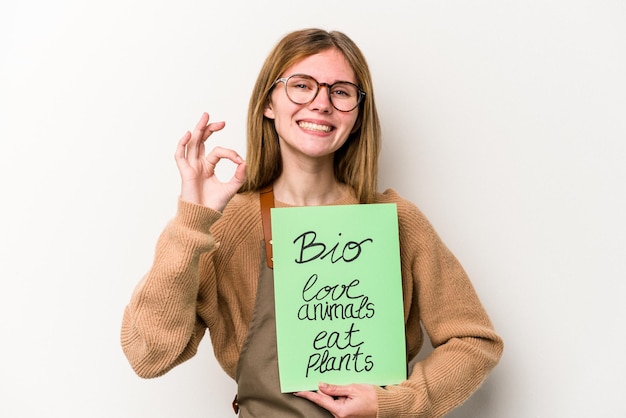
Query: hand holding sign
point(355, 400)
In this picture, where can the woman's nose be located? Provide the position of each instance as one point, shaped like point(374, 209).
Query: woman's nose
point(321, 102)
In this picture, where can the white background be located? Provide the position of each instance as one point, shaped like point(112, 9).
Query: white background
point(504, 121)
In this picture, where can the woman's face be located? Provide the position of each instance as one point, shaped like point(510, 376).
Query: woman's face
point(314, 130)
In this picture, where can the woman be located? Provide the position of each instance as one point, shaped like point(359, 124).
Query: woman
point(313, 139)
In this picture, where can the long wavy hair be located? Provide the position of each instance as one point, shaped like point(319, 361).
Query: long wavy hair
point(356, 162)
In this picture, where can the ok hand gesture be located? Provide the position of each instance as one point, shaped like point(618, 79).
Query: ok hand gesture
point(200, 185)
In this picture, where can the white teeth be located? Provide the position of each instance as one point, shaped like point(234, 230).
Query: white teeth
point(314, 127)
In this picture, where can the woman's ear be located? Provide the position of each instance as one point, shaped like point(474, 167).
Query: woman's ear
point(268, 112)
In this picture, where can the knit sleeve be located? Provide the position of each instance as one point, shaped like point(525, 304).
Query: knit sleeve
point(160, 328)
point(466, 347)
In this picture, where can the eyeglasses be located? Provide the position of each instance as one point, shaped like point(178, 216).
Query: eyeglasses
point(302, 89)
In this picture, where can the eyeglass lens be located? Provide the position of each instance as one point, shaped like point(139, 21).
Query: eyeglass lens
point(302, 89)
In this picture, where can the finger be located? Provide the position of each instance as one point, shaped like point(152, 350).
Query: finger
point(212, 127)
point(239, 177)
point(219, 153)
point(335, 390)
point(202, 122)
point(195, 147)
point(180, 153)
point(319, 398)
point(240, 173)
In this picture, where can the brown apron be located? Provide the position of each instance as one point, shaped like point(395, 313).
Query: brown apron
point(258, 386)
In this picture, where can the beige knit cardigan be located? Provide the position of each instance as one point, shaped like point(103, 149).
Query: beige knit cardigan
point(204, 276)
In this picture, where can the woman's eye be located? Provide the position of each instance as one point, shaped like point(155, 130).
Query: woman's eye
point(341, 93)
point(301, 85)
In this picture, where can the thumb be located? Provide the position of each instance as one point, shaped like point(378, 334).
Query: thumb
point(240, 173)
point(332, 390)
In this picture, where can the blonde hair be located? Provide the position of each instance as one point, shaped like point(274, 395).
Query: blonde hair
point(356, 162)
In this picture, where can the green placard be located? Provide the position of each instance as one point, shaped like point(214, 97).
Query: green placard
point(338, 290)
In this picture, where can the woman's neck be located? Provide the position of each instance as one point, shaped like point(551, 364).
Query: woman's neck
point(301, 188)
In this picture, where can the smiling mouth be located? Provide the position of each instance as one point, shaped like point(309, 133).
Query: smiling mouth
point(309, 126)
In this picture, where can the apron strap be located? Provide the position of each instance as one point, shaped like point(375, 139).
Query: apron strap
point(267, 202)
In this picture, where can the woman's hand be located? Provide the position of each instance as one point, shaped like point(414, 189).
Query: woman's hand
point(356, 400)
point(197, 170)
